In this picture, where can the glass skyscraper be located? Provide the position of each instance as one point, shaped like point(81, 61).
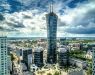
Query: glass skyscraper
point(3, 56)
point(51, 19)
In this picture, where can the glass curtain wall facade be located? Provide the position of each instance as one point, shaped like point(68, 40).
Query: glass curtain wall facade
point(51, 20)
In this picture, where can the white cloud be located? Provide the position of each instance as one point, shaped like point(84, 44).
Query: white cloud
point(26, 23)
point(75, 18)
point(25, 2)
point(76, 14)
point(33, 23)
point(5, 5)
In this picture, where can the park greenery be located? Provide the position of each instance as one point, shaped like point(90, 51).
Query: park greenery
point(79, 54)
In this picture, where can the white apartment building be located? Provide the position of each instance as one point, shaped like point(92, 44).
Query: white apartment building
point(3, 56)
point(93, 61)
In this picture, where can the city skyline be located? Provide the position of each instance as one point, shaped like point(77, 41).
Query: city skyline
point(27, 18)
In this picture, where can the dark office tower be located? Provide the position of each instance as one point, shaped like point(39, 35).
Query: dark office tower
point(38, 57)
point(63, 41)
point(62, 57)
point(51, 19)
point(27, 56)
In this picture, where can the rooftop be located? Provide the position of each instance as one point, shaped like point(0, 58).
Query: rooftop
point(38, 49)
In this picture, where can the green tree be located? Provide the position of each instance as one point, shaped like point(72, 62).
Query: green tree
point(12, 59)
point(49, 74)
point(42, 72)
point(56, 73)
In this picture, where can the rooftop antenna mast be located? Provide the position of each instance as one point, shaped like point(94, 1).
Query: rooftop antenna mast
point(51, 6)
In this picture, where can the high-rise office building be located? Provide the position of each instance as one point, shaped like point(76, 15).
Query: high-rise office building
point(51, 19)
point(27, 56)
point(62, 57)
point(38, 56)
point(93, 61)
point(3, 56)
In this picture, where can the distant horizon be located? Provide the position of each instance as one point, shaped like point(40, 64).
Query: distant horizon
point(31, 38)
point(46, 37)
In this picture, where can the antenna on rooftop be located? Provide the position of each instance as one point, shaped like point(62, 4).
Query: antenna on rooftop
point(51, 6)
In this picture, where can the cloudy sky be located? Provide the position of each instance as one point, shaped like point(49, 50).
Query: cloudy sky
point(27, 18)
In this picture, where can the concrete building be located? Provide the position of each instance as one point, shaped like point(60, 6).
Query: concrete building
point(89, 54)
point(62, 57)
point(38, 57)
point(51, 19)
point(76, 46)
point(3, 56)
point(9, 64)
point(75, 72)
point(71, 71)
point(17, 69)
point(63, 41)
point(93, 61)
point(33, 68)
point(27, 56)
point(79, 63)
